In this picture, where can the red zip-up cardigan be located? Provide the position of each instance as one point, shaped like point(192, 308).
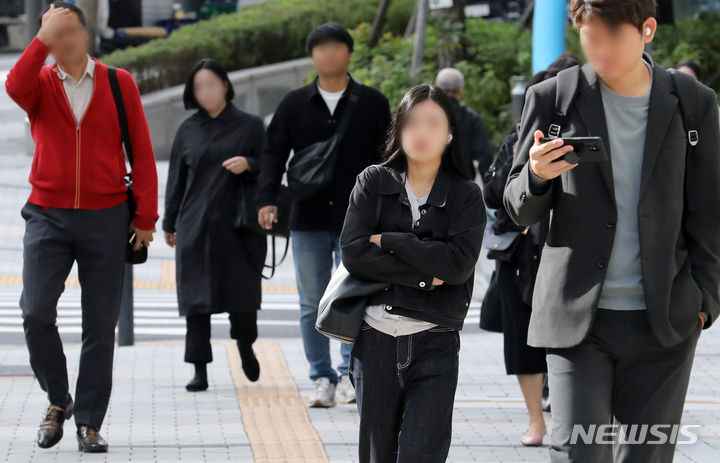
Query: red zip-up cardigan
point(81, 164)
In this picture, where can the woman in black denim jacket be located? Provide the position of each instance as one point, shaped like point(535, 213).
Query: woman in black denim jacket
point(415, 221)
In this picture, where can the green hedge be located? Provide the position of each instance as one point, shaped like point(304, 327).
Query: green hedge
point(262, 34)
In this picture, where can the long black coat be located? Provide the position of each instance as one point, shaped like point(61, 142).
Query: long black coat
point(218, 266)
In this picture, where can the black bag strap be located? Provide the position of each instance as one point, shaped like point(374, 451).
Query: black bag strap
point(353, 98)
point(122, 115)
point(686, 91)
point(274, 264)
point(567, 86)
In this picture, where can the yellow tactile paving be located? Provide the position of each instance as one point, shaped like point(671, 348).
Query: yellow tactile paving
point(274, 415)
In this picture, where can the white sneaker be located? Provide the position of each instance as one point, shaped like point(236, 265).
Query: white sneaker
point(324, 395)
point(345, 390)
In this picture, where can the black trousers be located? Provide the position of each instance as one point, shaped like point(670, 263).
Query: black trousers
point(96, 240)
point(405, 389)
point(243, 328)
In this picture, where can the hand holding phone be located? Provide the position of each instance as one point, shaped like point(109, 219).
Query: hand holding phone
point(545, 157)
point(585, 149)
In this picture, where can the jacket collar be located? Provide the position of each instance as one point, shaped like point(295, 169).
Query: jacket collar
point(660, 112)
point(392, 182)
point(311, 90)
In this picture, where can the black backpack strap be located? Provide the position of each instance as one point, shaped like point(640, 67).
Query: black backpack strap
point(686, 90)
point(567, 85)
point(122, 116)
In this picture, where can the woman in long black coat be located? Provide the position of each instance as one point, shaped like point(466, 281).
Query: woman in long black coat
point(213, 171)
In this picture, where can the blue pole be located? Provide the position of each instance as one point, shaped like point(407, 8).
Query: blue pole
point(549, 23)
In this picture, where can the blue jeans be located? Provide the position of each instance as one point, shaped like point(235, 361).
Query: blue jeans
point(313, 256)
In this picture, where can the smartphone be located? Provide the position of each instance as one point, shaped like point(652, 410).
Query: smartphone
point(585, 149)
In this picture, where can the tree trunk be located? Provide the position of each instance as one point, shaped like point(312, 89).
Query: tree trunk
point(378, 23)
point(451, 28)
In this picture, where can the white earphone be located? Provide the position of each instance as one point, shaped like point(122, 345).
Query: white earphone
point(648, 31)
point(449, 138)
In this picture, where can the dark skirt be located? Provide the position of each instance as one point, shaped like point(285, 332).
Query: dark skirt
point(520, 359)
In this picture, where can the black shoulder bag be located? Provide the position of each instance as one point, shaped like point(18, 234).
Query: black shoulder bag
point(131, 256)
point(342, 307)
point(312, 168)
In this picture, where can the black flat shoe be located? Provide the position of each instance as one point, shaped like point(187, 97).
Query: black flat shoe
point(90, 440)
point(197, 384)
point(51, 428)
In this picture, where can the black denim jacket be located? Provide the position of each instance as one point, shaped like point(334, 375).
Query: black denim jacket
point(444, 243)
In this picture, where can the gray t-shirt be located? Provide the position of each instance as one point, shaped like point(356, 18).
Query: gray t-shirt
point(626, 118)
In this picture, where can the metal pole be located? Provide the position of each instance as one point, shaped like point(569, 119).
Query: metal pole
point(419, 46)
point(32, 13)
point(126, 335)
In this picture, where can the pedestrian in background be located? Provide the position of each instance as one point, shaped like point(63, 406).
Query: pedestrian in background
point(515, 272)
point(307, 116)
point(475, 142)
point(214, 166)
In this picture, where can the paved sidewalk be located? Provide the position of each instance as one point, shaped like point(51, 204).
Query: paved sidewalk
point(153, 419)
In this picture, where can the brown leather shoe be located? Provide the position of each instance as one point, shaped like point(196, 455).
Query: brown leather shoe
point(90, 440)
point(51, 428)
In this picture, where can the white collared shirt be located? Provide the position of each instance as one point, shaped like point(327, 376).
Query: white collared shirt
point(79, 92)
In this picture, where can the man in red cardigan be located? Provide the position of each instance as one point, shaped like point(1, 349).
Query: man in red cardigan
point(78, 212)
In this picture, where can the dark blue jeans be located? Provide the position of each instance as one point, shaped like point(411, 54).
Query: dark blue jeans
point(405, 390)
point(316, 253)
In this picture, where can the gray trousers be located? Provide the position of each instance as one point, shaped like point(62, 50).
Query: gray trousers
point(618, 375)
point(96, 240)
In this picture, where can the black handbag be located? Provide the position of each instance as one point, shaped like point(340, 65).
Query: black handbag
point(132, 256)
point(342, 307)
point(491, 308)
point(312, 168)
point(246, 219)
point(506, 246)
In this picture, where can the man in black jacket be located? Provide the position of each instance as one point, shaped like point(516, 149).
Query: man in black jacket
point(630, 272)
point(471, 132)
point(306, 116)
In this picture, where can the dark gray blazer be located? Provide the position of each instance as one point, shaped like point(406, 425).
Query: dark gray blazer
point(680, 253)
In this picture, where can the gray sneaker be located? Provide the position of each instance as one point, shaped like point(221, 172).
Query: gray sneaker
point(346, 391)
point(324, 394)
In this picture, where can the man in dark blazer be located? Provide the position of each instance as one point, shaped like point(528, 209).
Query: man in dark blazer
point(630, 271)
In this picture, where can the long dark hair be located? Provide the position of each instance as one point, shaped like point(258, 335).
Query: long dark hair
point(453, 160)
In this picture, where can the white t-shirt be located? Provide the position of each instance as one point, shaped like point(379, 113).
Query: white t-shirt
point(331, 98)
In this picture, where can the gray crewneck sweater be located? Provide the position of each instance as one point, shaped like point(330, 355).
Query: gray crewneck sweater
point(626, 118)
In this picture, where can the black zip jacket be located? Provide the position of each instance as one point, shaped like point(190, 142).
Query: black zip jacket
point(444, 243)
